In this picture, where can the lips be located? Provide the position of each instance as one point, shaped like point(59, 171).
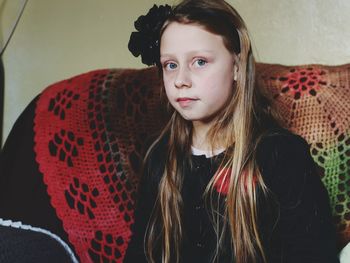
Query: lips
point(185, 101)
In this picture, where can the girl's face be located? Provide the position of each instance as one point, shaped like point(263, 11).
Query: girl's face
point(198, 71)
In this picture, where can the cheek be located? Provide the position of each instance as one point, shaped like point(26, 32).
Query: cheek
point(168, 91)
point(167, 80)
point(218, 87)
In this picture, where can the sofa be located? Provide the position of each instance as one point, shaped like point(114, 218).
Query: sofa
point(72, 161)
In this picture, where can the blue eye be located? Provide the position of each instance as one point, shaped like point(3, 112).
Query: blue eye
point(170, 66)
point(201, 62)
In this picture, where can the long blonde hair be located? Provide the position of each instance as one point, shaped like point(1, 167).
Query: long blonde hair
point(243, 122)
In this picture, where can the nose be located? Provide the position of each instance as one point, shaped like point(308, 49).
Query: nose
point(183, 79)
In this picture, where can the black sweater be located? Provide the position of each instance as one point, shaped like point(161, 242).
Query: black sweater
point(294, 221)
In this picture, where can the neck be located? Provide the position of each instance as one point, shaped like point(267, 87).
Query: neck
point(200, 138)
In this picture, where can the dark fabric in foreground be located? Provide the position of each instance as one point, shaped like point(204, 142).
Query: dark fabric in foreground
point(295, 221)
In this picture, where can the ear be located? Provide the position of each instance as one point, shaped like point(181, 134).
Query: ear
point(235, 72)
point(235, 66)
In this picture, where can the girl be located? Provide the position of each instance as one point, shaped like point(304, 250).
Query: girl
point(219, 184)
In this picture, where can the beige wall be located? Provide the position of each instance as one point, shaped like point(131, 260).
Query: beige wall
point(59, 39)
point(299, 31)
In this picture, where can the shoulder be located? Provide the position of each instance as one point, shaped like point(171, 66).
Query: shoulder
point(280, 140)
point(284, 161)
point(157, 153)
point(281, 145)
point(154, 163)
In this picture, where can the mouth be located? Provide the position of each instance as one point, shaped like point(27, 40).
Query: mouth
point(185, 101)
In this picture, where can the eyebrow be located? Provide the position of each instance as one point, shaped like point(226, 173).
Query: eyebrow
point(192, 52)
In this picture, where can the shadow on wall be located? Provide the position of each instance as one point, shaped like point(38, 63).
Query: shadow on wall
point(5, 37)
point(2, 84)
point(2, 75)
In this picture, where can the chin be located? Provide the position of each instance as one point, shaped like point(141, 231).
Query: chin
point(186, 117)
point(190, 118)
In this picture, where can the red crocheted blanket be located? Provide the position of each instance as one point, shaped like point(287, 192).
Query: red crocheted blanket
point(90, 134)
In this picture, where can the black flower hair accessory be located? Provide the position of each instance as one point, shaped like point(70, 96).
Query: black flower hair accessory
point(145, 42)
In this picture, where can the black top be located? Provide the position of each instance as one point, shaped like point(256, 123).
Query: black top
point(295, 222)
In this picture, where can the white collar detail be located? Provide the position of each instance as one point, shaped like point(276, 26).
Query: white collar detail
point(207, 154)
